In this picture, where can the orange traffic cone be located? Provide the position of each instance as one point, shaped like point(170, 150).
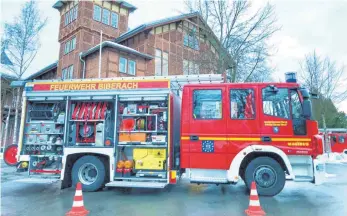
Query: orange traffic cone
point(78, 206)
point(254, 208)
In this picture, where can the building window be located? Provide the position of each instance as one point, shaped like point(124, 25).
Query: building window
point(105, 16)
point(132, 67)
point(158, 62)
point(67, 47)
point(97, 13)
point(191, 36)
point(276, 103)
point(123, 65)
point(73, 43)
point(207, 104)
point(70, 45)
point(190, 67)
point(71, 15)
point(242, 104)
point(114, 20)
point(161, 63)
point(75, 9)
point(67, 73)
point(165, 63)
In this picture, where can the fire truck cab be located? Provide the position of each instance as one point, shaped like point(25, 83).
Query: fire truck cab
point(147, 132)
point(261, 132)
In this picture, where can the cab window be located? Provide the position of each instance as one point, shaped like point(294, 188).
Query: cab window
point(276, 103)
point(207, 104)
point(242, 104)
point(296, 104)
point(341, 139)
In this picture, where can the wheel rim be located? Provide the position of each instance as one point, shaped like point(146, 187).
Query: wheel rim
point(88, 173)
point(10, 155)
point(265, 176)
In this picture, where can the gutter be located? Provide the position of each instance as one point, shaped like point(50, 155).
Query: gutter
point(84, 65)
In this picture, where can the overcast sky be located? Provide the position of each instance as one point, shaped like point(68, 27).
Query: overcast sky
point(306, 25)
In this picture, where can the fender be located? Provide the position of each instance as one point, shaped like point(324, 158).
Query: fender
point(102, 151)
point(233, 172)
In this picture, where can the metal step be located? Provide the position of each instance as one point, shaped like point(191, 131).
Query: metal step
point(303, 179)
point(133, 184)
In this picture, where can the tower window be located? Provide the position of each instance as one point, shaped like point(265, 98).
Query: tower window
point(97, 13)
point(105, 16)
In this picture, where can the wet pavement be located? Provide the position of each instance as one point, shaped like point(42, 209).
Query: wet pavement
point(19, 198)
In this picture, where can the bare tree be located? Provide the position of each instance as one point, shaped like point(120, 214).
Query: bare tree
point(243, 33)
point(22, 41)
point(323, 76)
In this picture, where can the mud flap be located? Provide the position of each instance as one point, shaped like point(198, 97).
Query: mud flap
point(319, 172)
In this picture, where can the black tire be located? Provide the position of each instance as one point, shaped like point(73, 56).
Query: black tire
point(267, 163)
point(98, 166)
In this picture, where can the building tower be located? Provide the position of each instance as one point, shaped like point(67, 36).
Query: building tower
point(81, 23)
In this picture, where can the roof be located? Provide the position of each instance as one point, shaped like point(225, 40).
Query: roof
point(152, 24)
point(43, 71)
point(4, 58)
point(7, 76)
point(124, 4)
point(118, 47)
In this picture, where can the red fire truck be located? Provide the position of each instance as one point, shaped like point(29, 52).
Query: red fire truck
point(146, 132)
point(337, 138)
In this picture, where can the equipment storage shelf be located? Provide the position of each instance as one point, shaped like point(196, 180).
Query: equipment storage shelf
point(142, 147)
point(44, 129)
point(91, 123)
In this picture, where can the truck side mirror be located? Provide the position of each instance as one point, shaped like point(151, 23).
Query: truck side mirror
point(307, 109)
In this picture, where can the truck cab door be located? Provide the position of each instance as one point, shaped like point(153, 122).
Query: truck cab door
point(207, 128)
point(276, 122)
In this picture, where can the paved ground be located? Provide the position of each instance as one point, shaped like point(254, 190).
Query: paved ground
point(18, 198)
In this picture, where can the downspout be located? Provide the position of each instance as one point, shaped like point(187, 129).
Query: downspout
point(84, 66)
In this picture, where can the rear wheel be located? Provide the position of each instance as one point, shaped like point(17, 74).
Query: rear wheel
point(90, 171)
point(10, 153)
point(268, 175)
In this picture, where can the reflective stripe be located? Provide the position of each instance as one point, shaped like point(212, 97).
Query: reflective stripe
point(78, 193)
point(77, 203)
point(254, 192)
point(254, 203)
point(289, 139)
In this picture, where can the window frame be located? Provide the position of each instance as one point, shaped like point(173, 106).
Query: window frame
point(132, 61)
point(289, 106)
point(67, 72)
point(161, 62)
point(126, 64)
point(100, 13)
point(253, 103)
point(67, 47)
point(116, 15)
point(221, 101)
point(108, 17)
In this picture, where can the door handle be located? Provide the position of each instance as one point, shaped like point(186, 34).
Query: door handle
point(194, 138)
point(266, 139)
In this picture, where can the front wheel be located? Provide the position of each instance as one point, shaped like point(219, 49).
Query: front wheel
point(268, 175)
point(90, 171)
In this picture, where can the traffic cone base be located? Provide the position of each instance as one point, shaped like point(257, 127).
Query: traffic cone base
point(254, 208)
point(78, 205)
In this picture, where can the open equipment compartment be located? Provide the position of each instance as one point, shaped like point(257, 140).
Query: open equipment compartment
point(91, 123)
point(142, 148)
point(44, 136)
